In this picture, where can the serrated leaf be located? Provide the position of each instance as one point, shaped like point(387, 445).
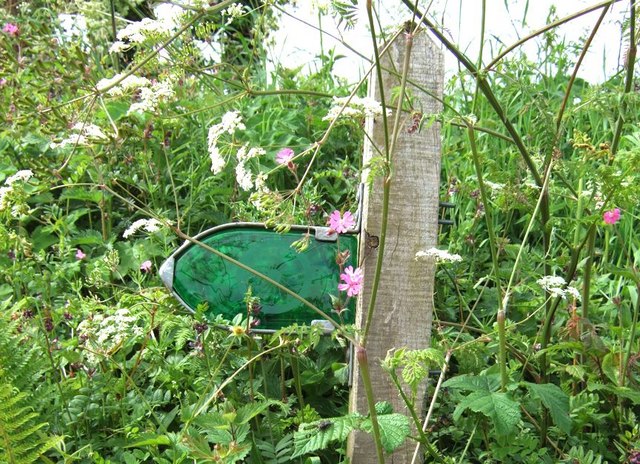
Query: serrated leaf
point(556, 401)
point(576, 371)
point(87, 237)
point(394, 429)
point(414, 372)
point(317, 435)
point(503, 412)
point(474, 383)
point(95, 196)
point(383, 407)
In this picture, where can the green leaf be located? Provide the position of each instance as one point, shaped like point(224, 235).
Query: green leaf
point(556, 401)
point(383, 407)
point(251, 410)
point(317, 435)
point(95, 196)
point(154, 440)
point(474, 383)
point(394, 429)
point(503, 412)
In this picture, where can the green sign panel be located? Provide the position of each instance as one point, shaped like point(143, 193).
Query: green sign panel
point(196, 275)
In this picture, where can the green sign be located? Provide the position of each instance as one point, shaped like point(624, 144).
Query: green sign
point(195, 275)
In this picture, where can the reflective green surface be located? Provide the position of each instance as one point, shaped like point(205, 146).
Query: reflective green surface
point(200, 276)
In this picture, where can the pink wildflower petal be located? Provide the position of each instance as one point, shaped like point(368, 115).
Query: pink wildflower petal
point(341, 223)
point(611, 217)
point(80, 255)
point(353, 280)
point(11, 29)
point(146, 266)
point(285, 156)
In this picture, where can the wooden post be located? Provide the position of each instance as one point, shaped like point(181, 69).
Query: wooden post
point(403, 311)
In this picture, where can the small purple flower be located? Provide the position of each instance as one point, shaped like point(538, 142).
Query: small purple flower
point(3, 82)
point(80, 255)
point(11, 29)
point(285, 156)
point(341, 223)
point(146, 266)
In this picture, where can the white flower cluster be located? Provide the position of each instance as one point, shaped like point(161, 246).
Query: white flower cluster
point(235, 10)
point(150, 93)
point(74, 26)
point(441, 256)
point(356, 108)
point(210, 51)
point(229, 123)
point(104, 335)
point(243, 176)
point(150, 225)
point(557, 287)
point(85, 133)
point(138, 31)
point(150, 97)
point(123, 86)
point(8, 188)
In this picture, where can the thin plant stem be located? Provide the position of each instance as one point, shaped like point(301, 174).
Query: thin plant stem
point(443, 373)
point(493, 245)
point(363, 362)
point(630, 65)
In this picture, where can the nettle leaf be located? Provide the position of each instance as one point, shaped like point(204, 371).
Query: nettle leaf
point(474, 383)
point(314, 436)
point(556, 401)
point(503, 412)
point(394, 429)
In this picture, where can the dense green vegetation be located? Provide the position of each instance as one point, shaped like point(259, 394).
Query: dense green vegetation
point(127, 130)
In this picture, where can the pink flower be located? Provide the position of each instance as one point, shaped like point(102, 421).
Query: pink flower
point(3, 82)
point(11, 29)
point(352, 281)
point(285, 156)
point(341, 223)
point(80, 255)
point(611, 217)
point(146, 266)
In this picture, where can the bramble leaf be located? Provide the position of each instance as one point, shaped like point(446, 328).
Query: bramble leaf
point(394, 429)
point(556, 401)
point(503, 412)
point(314, 436)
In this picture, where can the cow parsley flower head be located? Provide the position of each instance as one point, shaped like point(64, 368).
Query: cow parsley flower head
point(20, 176)
point(151, 97)
point(84, 135)
point(233, 11)
point(243, 177)
point(230, 122)
point(357, 107)
point(557, 287)
point(441, 256)
point(150, 225)
point(129, 83)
